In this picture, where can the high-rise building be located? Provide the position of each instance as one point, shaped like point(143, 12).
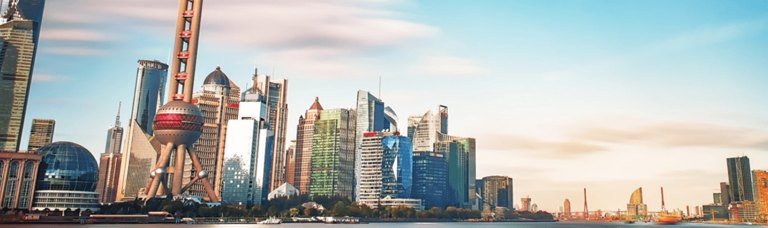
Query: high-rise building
point(333, 154)
point(717, 198)
point(725, 194)
point(567, 209)
point(498, 191)
point(430, 179)
point(372, 116)
point(247, 154)
point(740, 179)
point(219, 101)
point(290, 164)
point(275, 94)
point(760, 186)
point(18, 175)
point(386, 170)
point(41, 133)
point(460, 154)
point(424, 129)
point(109, 164)
point(304, 136)
point(139, 152)
point(525, 204)
point(19, 34)
point(636, 208)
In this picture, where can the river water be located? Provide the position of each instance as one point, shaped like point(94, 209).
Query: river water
point(372, 225)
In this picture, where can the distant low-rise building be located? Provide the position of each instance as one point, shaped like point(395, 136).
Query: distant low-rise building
point(18, 176)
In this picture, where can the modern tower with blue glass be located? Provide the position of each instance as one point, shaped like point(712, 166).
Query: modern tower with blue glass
point(138, 153)
point(372, 116)
point(386, 170)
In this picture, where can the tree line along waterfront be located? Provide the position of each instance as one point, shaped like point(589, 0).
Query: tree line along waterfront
point(297, 206)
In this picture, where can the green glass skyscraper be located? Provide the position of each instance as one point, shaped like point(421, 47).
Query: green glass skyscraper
point(333, 154)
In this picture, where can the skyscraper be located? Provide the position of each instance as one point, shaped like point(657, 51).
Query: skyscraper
point(760, 179)
point(525, 203)
point(460, 154)
point(567, 209)
point(109, 164)
point(430, 178)
point(333, 154)
point(139, 152)
point(386, 170)
point(740, 179)
point(725, 194)
point(219, 101)
point(41, 133)
point(423, 129)
point(275, 94)
point(290, 163)
point(636, 208)
point(371, 117)
point(304, 136)
point(247, 155)
point(19, 34)
point(498, 191)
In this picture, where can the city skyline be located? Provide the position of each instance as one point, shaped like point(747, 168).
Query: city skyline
point(550, 129)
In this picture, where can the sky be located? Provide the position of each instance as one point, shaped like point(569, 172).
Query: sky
point(560, 95)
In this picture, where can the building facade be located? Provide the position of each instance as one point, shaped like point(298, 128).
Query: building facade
point(18, 176)
point(725, 194)
point(66, 179)
point(372, 116)
point(498, 191)
point(566, 209)
point(760, 186)
point(219, 102)
point(247, 155)
point(19, 34)
point(275, 94)
point(430, 178)
point(139, 152)
point(636, 209)
point(109, 164)
point(460, 154)
point(424, 129)
point(740, 179)
point(525, 204)
point(304, 137)
point(386, 169)
point(290, 163)
point(333, 154)
point(41, 133)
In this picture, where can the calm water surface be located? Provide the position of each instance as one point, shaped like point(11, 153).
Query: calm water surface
point(372, 225)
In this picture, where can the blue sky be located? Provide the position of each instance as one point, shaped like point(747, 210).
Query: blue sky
point(608, 95)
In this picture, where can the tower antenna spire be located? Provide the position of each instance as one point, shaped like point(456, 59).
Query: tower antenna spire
point(380, 87)
point(117, 118)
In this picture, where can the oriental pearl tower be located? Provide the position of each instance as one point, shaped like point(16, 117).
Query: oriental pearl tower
point(178, 123)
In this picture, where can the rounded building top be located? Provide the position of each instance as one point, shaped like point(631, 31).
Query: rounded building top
point(217, 77)
point(66, 166)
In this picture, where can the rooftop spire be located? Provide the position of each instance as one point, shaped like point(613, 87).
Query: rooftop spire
point(117, 119)
point(316, 105)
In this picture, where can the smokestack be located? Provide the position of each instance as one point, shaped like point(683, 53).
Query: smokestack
point(663, 208)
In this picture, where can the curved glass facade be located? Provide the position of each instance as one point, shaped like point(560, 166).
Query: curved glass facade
point(396, 167)
point(67, 166)
point(148, 94)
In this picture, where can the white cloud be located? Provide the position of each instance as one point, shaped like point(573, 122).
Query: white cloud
point(74, 51)
point(69, 34)
point(44, 77)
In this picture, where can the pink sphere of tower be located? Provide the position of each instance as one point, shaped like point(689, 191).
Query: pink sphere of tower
point(178, 122)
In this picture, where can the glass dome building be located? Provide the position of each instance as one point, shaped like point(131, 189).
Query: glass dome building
point(66, 178)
